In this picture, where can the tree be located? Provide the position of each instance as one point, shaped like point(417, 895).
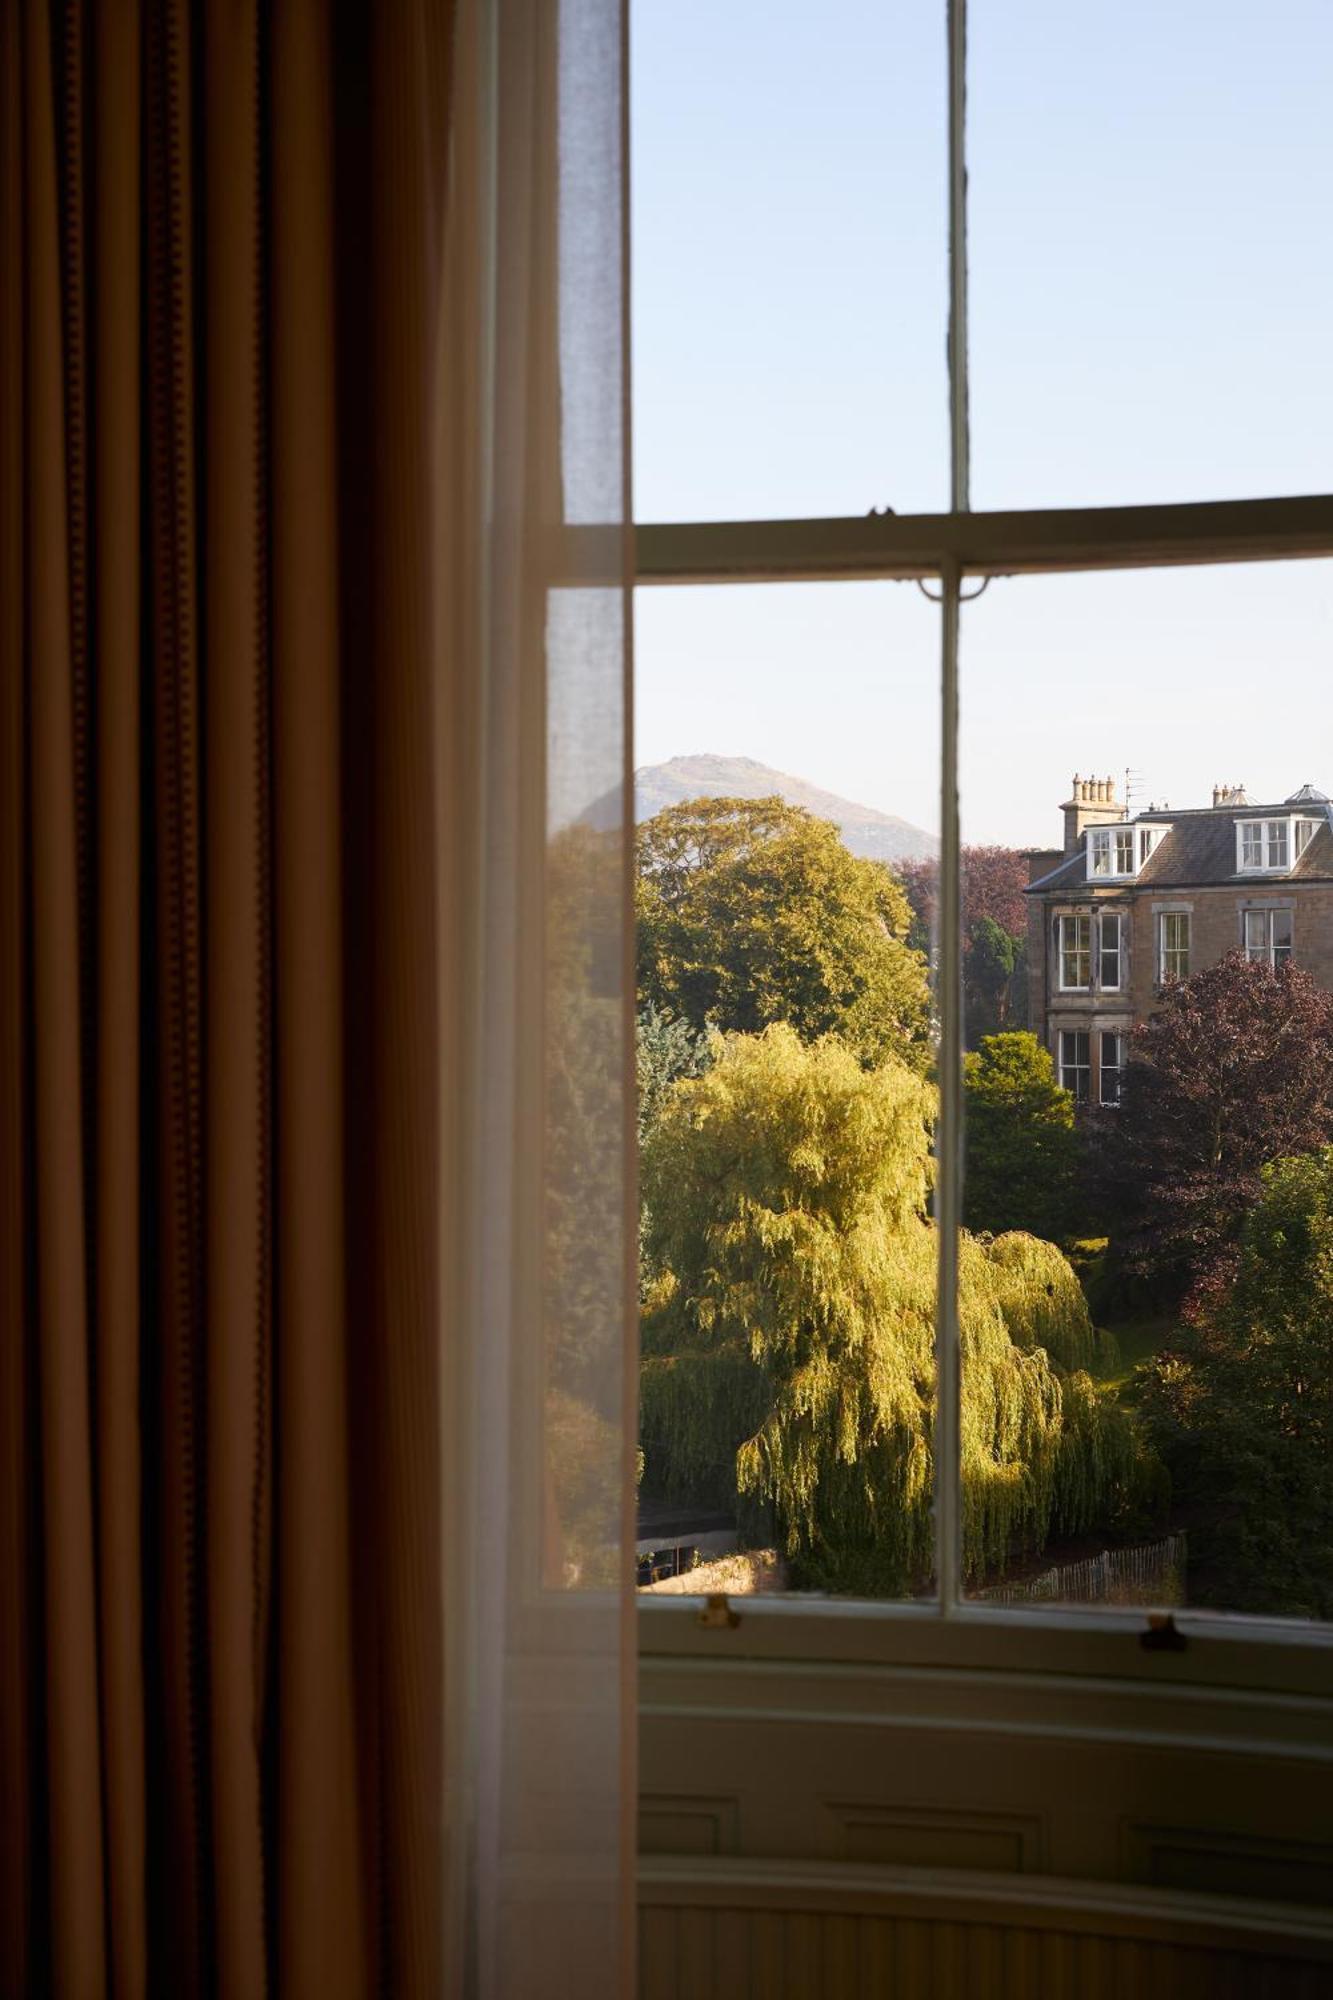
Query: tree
point(1022, 1151)
point(990, 957)
point(752, 911)
point(788, 1334)
point(994, 922)
point(664, 1050)
point(1242, 1408)
point(1233, 1070)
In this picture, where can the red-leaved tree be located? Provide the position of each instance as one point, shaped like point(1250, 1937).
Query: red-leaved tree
point(1233, 1070)
point(994, 910)
point(994, 879)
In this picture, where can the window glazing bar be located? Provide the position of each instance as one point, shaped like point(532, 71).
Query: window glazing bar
point(1035, 542)
point(948, 943)
point(949, 1126)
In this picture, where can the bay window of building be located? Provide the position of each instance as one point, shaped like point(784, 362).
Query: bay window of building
point(1076, 1062)
point(1074, 951)
point(1112, 1065)
point(1267, 935)
point(1265, 845)
point(1112, 850)
point(1173, 946)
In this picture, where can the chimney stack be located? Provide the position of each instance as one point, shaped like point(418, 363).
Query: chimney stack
point(1229, 795)
point(1091, 802)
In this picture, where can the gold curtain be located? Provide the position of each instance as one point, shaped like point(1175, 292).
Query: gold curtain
point(222, 1266)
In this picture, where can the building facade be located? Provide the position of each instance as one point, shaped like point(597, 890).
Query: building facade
point(1130, 904)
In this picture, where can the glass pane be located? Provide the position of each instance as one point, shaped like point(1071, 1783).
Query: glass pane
point(1147, 1306)
point(789, 271)
point(787, 746)
point(1150, 315)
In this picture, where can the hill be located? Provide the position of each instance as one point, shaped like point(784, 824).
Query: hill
point(879, 836)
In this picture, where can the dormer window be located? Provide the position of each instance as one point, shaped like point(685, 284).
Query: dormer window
point(1263, 846)
point(1306, 829)
point(1111, 851)
point(1149, 838)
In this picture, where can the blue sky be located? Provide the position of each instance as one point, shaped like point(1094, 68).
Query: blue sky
point(1152, 318)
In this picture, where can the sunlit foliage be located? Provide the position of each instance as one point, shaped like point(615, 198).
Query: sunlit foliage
point(752, 911)
point(790, 1324)
point(1021, 1148)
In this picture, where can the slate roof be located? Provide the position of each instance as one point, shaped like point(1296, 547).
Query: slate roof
point(1200, 853)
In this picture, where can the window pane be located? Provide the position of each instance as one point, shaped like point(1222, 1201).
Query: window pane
point(1147, 183)
point(788, 1256)
point(1147, 1454)
point(790, 277)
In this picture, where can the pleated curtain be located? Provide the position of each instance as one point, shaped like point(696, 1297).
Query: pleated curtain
point(279, 548)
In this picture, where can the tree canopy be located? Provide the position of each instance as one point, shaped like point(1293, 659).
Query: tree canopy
point(789, 1328)
point(1235, 1069)
point(752, 911)
point(1022, 1151)
point(1242, 1407)
point(994, 921)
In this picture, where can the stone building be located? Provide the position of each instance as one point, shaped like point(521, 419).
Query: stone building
point(1131, 903)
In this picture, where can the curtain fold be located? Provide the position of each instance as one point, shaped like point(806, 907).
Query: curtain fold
point(315, 1258)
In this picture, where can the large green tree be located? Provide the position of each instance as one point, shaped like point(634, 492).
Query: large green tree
point(1242, 1406)
point(1022, 1150)
point(789, 1328)
point(752, 911)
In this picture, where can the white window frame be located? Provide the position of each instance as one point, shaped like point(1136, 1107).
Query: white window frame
point(1266, 952)
point(1165, 976)
point(1064, 951)
point(1303, 833)
point(1108, 847)
point(1120, 1036)
point(1118, 918)
point(1069, 1066)
point(1150, 839)
point(1269, 831)
point(942, 552)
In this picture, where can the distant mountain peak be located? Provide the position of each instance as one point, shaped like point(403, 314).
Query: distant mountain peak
point(879, 836)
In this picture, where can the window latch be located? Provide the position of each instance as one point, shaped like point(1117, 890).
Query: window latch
point(717, 1615)
point(1163, 1635)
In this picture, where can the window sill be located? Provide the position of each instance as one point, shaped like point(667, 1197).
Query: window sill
point(1223, 1651)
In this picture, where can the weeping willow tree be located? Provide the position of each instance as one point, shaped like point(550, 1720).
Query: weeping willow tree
point(789, 1327)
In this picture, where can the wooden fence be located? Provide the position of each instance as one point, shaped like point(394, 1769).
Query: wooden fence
point(1153, 1573)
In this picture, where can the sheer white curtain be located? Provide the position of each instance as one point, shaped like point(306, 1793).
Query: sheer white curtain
point(539, 1419)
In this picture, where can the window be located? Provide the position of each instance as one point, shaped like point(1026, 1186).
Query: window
point(1264, 845)
point(1075, 1062)
point(1112, 1064)
point(952, 554)
point(1306, 829)
point(1267, 935)
point(1173, 950)
point(1074, 945)
point(1112, 850)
